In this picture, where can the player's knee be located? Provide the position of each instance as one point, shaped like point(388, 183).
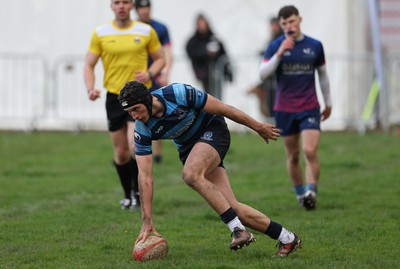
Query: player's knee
point(294, 158)
point(310, 153)
point(122, 155)
point(190, 177)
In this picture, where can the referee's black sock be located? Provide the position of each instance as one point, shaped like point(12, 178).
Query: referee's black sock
point(124, 173)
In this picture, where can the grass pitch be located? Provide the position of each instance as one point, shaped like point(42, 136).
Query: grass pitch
point(59, 205)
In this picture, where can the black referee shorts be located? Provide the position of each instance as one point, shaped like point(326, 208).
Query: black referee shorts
point(116, 116)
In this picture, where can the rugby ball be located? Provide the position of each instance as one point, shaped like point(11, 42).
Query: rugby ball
point(155, 247)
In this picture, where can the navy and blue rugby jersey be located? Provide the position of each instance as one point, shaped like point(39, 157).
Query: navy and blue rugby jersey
point(295, 74)
point(162, 33)
point(182, 121)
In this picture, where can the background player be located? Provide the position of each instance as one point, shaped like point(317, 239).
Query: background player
point(143, 9)
point(294, 58)
point(265, 91)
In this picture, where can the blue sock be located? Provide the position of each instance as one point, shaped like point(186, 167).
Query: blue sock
point(299, 190)
point(312, 187)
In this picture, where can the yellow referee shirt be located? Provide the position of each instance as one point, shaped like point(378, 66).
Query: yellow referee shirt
point(123, 51)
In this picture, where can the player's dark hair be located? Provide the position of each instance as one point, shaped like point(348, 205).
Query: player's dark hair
point(142, 3)
point(134, 93)
point(273, 20)
point(287, 11)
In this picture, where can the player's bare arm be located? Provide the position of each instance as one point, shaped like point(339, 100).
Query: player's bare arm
point(89, 76)
point(145, 165)
point(156, 67)
point(265, 130)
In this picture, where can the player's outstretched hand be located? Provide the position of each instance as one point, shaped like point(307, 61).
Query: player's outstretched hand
point(268, 131)
point(146, 230)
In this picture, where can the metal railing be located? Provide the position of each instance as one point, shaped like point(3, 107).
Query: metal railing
point(35, 96)
point(70, 102)
point(23, 88)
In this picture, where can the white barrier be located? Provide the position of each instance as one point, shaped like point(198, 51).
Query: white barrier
point(32, 97)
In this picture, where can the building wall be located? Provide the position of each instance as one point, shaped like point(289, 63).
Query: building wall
point(61, 29)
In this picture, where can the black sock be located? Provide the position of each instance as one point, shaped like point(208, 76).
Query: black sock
point(274, 230)
point(134, 175)
point(228, 215)
point(125, 177)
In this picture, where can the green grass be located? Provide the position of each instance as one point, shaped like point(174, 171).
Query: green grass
point(59, 205)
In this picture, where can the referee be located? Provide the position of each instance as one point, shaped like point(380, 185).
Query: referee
point(124, 46)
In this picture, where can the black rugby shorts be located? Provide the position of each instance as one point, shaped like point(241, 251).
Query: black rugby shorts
point(216, 134)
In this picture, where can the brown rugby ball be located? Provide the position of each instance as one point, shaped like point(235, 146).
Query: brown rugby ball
point(155, 247)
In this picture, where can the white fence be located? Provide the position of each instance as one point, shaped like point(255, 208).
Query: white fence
point(35, 95)
point(23, 89)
